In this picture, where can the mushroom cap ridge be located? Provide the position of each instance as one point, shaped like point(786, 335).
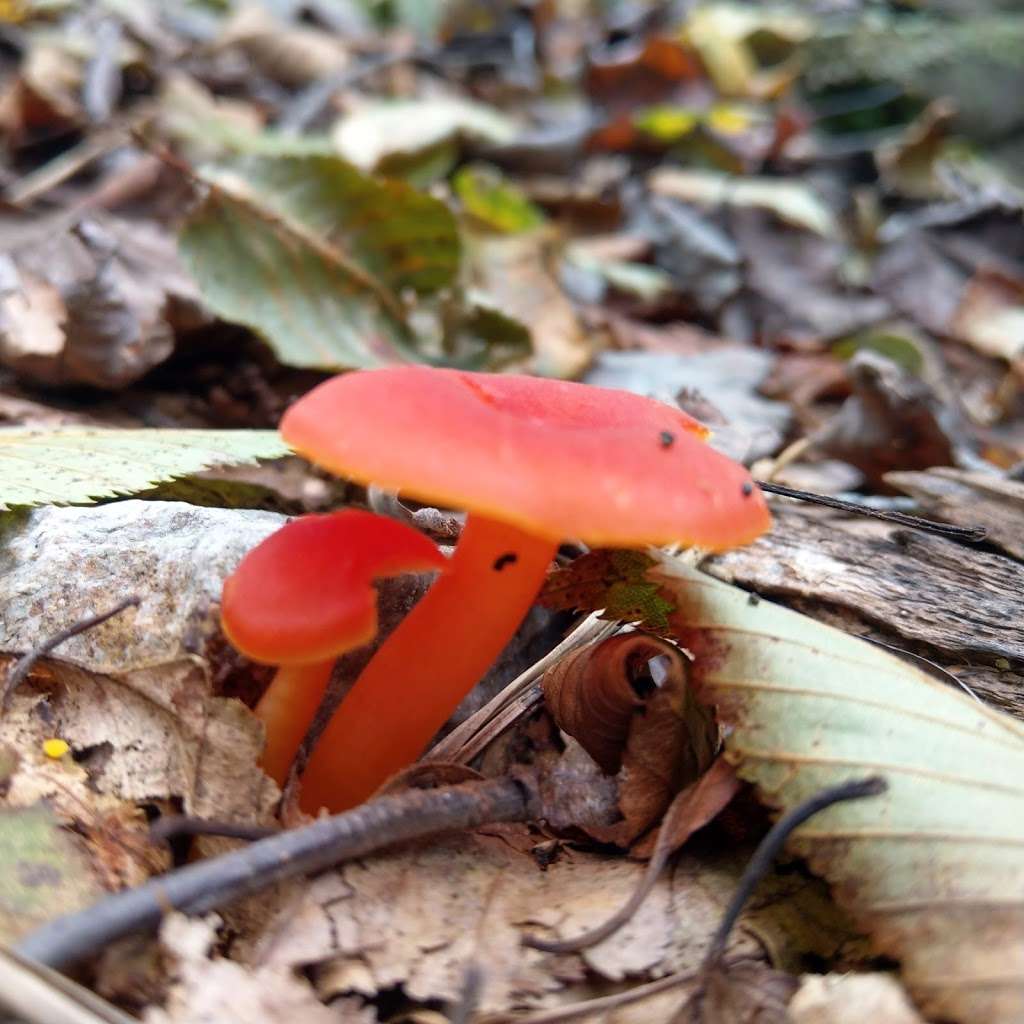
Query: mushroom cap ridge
point(558, 459)
point(306, 593)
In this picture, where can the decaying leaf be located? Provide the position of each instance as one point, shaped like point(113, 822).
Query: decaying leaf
point(93, 302)
point(81, 465)
point(511, 272)
point(210, 989)
point(615, 581)
point(851, 999)
point(421, 917)
point(44, 871)
point(932, 868)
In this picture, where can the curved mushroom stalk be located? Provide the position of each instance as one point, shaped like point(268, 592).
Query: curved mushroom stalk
point(430, 662)
point(287, 710)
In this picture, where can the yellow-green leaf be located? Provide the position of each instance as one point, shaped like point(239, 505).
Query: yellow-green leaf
point(78, 465)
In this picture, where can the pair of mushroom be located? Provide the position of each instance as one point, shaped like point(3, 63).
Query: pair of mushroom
point(534, 462)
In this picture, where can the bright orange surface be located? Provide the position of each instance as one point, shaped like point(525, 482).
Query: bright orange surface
point(305, 594)
point(435, 656)
point(558, 459)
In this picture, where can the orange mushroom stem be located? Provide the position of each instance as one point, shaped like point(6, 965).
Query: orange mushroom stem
point(533, 461)
point(429, 663)
point(303, 597)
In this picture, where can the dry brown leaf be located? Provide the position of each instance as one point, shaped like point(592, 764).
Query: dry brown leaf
point(990, 315)
point(93, 303)
point(208, 989)
point(510, 274)
point(852, 999)
point(419, 917)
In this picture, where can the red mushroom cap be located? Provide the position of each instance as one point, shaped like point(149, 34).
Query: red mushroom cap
point(306, 593)
point(555, 458)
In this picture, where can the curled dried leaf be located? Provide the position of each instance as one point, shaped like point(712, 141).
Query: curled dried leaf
point(594, 693)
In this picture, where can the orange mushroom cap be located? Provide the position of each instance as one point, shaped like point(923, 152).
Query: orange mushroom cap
point(305, 594)
point(554, 458)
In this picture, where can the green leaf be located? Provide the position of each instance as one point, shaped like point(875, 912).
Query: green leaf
point(311, 253)
point(81, 465)
point(402, 237)
point(44, 873)
point(488, 196)
point(902, 349)
point(934, 868)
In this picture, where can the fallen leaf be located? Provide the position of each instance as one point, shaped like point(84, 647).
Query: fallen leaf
point(990, 316)
point(93, 302)
point(45, 871)
point(420, 917)
point(930, 868)
point(851, 999)
point(375, 132)
point(908, 165)
point(792, 201)
point(81, 465)
point(510, 273)
point(209, 989)
point(494, 201)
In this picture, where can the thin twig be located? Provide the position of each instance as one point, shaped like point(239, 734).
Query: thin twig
point(174, 825)
point(27, 662)
point(662, 851)
point(589, 1007)
point(203, 886)
point(972, 534)
point(769, 847)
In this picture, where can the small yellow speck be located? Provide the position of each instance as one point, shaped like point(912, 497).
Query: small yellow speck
point(55, 748)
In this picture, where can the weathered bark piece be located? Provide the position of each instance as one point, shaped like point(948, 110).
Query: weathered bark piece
point(954, 604)
point(970, 499)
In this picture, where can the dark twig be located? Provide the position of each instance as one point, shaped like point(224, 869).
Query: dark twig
point(662, 851)
point(206, 885)
point(25, 664)
point(972, 534)
point(174, 825)
point(769, 847)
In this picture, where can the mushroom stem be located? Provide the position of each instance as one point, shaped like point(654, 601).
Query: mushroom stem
point(428, 664)
point(287, 709)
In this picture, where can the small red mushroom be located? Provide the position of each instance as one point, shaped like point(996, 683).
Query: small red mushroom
point(303, 597)
point(534, 462)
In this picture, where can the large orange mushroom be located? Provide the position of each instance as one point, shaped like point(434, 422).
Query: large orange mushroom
point(303, 597)
point(534, 462)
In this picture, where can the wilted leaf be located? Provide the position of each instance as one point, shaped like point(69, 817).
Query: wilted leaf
point(43, 871)
point(377, 131)
point(933, 867)
point(82, 465)
point(792, 201)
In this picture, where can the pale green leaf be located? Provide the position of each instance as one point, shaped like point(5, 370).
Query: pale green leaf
point(377, 131)
point(78, 465)
point(934, 868)
point(493, 200)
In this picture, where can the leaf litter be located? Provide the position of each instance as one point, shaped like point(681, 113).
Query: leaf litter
point(802, 228)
